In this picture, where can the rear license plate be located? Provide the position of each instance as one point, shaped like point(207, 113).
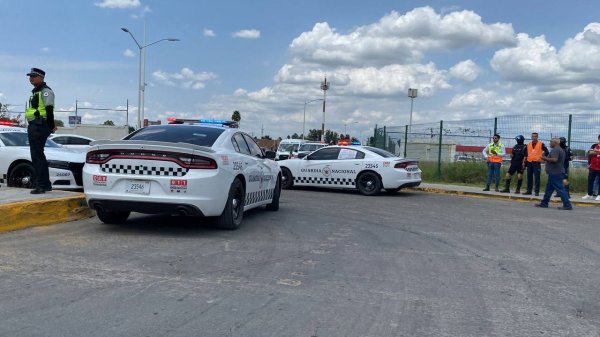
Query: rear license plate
point(138, 186)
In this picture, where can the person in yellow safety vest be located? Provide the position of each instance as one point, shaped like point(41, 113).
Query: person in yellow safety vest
point(494, 153)
point(533, 161)
point(40, 124)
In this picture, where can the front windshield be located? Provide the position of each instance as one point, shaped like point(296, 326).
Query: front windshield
point(20, 139)
point(288, 147)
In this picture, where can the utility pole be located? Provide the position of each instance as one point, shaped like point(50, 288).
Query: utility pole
point(324, 87)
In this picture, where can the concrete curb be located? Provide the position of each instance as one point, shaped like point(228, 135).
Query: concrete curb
point(43, 212)
point(514, 197)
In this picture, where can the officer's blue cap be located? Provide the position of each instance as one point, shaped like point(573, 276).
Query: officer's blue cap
point(37, 71)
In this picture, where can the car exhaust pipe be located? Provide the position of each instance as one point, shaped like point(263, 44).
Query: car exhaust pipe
point(182, 211)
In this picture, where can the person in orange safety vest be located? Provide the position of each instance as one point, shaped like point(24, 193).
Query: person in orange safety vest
point(494, 153)
point(533, 161)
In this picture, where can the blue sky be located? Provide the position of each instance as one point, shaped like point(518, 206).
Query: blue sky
point(469, 59)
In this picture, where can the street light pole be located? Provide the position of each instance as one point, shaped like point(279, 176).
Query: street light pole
point(345, 124)
point(412, 93)
point(304, 116)
point(142, 84)
point(324, 87)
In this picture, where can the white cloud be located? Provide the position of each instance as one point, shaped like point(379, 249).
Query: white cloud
point(582, 53)
point(465, 70)
point(128, 53)
point(118, 3)
point(247, 34)
point(209, 33)
point(238, 92)
point(478, 98)
point(45, 50)
point(397, 38)
point(186, 78)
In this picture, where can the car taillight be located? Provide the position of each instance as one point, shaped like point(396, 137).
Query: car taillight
point(97, 157)
point(197, 162)
point(183, 160)
point(405, 164)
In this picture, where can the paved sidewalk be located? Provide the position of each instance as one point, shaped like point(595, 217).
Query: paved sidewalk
point(21, 209)
point(478, 192)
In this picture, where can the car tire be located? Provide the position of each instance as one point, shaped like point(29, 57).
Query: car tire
point(112, 217)
point(232, 215)
point(287, 179)
point(274, 205)
point(20, 173)
point(368, 183)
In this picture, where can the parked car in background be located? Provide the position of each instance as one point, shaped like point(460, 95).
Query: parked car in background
point(367, 169)
point(309, 147)
point(16, 170)
point(287, 148)
point(71, 141)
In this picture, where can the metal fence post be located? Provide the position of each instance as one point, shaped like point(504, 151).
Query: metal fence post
point(495, 125)
point(569, 132)
point(405, 139)
point(439, 165)
point(384, 138)
point(376, 131)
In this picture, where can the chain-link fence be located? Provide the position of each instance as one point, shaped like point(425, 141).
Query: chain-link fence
point(448, 141)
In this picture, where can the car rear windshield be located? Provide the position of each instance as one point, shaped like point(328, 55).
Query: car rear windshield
point(380, 152)
point(192, 134)
point(20, 139)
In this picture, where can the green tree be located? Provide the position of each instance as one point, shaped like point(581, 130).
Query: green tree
point(236, 117)
point(313, 135)
point(331, 137)
point(267, 137)
point(109, 122)
point(296, 136)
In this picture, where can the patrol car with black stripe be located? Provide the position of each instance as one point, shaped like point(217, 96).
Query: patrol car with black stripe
point(189, 167)
point(367, 169)
point(16, 170)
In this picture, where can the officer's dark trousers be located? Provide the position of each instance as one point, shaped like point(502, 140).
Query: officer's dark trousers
point(38, 133)
point(533, 171)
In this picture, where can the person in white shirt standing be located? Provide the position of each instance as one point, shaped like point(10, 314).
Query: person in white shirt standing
point(494, 153)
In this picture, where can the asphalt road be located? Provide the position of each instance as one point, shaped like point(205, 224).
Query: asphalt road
point(326, 264)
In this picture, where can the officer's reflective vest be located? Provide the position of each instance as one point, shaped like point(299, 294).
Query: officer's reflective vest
point(30, 112)
point(495, 158)
point(534, 153)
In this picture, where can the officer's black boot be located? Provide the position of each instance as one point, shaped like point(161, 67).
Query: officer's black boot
point(487, 188)
point(506, 186)
point(519, 183)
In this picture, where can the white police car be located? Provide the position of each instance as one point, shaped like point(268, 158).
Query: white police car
point(367, 169)
point(64, 166)
point(200, 169)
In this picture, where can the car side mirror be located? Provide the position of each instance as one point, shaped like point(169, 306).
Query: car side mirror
point(301, 155)
point(270, 154)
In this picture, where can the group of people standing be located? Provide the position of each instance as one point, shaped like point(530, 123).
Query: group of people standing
point(530, 157)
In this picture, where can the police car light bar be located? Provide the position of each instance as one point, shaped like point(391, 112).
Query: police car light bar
point(231, 124)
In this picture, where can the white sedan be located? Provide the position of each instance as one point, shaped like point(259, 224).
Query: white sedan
point(367, 169)
point(64, 166)
point(70, 141)
point(198, 170)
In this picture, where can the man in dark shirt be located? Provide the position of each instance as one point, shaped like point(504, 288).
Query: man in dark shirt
point(568, 158)
point(516, 165)
point(555, 169)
